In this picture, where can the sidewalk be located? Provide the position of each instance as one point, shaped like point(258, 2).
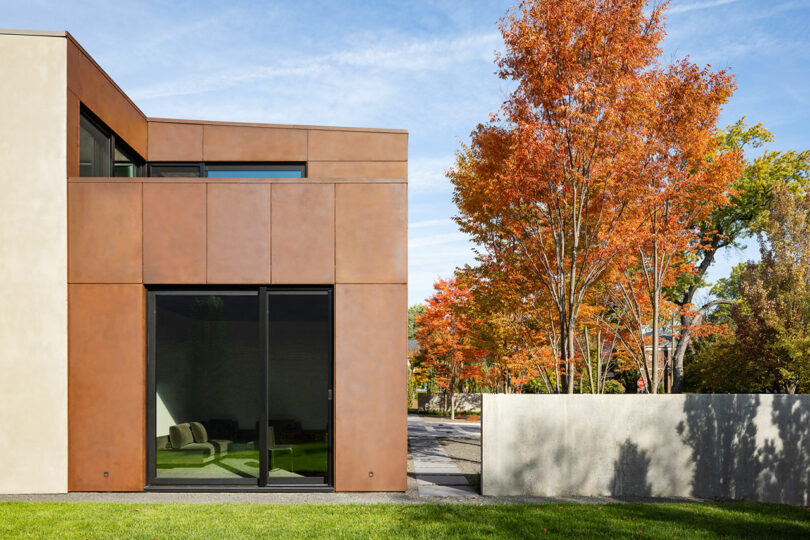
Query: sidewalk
point(437, 474)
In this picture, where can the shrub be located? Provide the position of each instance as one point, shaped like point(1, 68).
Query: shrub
point(613, 386)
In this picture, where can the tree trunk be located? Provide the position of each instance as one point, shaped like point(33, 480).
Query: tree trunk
point(718, 241)
point(656, 307)
point(655, 332)
point(678, 355)
point(453, 396)
point(571, 346)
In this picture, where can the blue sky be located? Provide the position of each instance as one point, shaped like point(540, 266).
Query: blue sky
point(425, 66)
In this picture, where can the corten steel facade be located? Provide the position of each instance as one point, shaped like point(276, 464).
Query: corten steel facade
point(79, 255)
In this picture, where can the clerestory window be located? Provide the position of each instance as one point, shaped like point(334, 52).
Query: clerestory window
point(102, 152)
point(228, 170)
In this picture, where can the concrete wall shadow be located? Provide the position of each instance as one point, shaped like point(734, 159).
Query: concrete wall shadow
point(751, 447)
point(630, 472)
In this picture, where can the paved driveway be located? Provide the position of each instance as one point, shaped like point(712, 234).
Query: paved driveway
point(437, 475)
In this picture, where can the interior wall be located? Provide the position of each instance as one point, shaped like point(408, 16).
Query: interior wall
point(33, 264)
point(194, 384)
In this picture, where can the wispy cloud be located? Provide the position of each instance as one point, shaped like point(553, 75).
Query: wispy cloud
point(437, 239)
point(430, 223)
point(427, 173)
point(368, 56)
point(683, 8)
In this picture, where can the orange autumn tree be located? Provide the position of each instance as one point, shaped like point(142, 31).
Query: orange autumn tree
point(684, 178)
point(509, 365)
point(528, 319)
point(598, 343)
point(628, 313)
point(445, 338)
point(548, 178)
point(553, 189)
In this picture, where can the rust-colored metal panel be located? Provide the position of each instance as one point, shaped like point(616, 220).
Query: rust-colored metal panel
point(332, 145)
point(371, 387)
point(371, 233)
point(303, 233)
point(175, 141)
point(358, 169)
point(238, 233)
point(104, 233)
point(97, 91)
point(73, 115)
point(174, 233)
point(106, 388)
point(242, 143)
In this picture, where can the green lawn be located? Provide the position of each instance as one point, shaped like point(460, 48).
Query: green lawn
point(86, 520)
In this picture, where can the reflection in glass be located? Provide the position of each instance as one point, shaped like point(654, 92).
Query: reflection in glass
point(175, 171)
point(208, 370)
point(124, 166)
point(94, 149)
point(298, 384)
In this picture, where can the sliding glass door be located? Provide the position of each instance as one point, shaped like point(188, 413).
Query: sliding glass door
point(239, 387)
point(299, 385)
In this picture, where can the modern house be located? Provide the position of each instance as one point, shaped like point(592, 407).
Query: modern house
point(193, 305)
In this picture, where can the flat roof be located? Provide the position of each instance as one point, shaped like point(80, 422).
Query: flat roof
point(17, 32)
point(261, 125)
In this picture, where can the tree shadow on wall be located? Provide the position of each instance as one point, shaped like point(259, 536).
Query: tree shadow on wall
point(630, 472)
point(722, 433)
point(785, 471)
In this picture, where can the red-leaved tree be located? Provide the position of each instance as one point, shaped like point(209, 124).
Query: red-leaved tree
point(447, 345)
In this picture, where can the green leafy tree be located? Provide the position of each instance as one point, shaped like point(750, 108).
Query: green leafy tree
point(728, 288)
point(744, 214)
point(720, 364)
point(773, 317)
point(413, 316)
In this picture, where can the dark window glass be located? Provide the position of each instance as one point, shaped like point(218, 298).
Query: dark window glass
point(94, 149)
point(227, 410)
point(125, 166)
point(299, 368)
point(177, 171)
point(95, 157)
point(208, 373)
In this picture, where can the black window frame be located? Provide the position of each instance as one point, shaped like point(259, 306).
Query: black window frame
point(262, 483)
point(205, 166)
point(199, 164)
point(115, 142)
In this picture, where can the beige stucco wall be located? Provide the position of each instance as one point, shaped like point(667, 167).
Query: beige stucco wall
point(33, 264)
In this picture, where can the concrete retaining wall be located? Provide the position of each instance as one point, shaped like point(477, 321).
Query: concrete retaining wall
point(441, 402)
point(754, 447)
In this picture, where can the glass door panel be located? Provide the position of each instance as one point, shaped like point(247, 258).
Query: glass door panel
point(299, 383)
point(208, 385)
